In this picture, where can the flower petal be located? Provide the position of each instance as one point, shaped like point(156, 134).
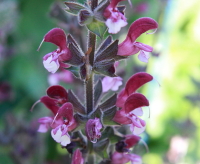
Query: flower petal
point(56, 36)
point(136, 81)
point(65, 140)
point(131, 140)
point(51, 65)
point(134, 101)
point(50, 103)
point(57, 92)
point(115, 26)
point(143, 46)
point(140, 26)
point(143, 56)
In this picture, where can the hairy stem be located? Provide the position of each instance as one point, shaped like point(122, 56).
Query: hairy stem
point(89, 83)
point(89, 93)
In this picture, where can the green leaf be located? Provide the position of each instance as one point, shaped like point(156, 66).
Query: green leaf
point(98, 28)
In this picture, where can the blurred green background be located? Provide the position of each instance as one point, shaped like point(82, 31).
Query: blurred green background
point(173, 129)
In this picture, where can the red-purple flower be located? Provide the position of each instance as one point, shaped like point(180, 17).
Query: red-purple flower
point(131, 111)
point(92, 129)
point(60, 132)
point(130, 47)
point(63, 121)
point(115, 19)
point(53, 60)
point(123, 158)
point(134, 82)
point(77, 157)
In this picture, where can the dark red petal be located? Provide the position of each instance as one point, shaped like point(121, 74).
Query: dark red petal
point(50, 104)
point(140, 26)
point(136, 81)
point(56, 36)
point(66, 111)
point(134, 101)
point(57, 92)
point(131, 140)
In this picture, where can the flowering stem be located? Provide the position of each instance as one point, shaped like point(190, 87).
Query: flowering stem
point(89, 84)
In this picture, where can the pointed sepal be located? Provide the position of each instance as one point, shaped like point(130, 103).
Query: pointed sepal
point(111, 101)
point(99, 10)
point(109, 53)
point(85, 17)
point(108, 115)
point(97, 91)
point(78, 107)
point(74, 70)
point(73, 7)
point(101, 146)
point(105, 68)
point(77, 56)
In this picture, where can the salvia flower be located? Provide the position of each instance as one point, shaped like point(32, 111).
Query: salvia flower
point(129, 114)
point(123, 158)
point(53, 60)
point(92, 129)
point(63, 121)
point(77, 157)
point(133, 83)
point(115, 19)
point(60, 132)
point(130, 47)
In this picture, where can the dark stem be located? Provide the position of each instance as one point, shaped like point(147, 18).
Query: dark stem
point(89, 93)
point(89, 84)
point(91, 44)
